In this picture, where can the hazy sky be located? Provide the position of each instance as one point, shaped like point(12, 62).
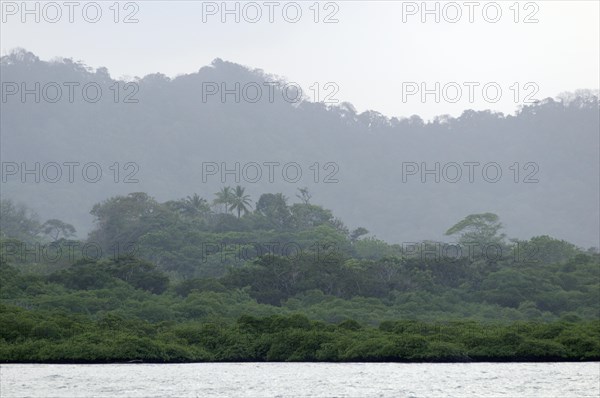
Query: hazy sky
point(377, 50)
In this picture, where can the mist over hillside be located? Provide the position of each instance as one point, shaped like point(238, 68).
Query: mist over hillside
point(173, 137)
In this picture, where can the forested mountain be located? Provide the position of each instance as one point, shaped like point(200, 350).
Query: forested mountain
point(173, 219)
point(161, 130)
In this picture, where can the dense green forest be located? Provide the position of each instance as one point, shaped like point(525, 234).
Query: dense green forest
point(233, 278)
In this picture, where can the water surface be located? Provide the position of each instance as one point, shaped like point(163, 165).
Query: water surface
point(302, 380)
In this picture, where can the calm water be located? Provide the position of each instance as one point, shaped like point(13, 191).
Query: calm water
point(303, 380)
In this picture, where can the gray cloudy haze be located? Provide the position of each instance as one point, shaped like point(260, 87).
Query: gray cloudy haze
point(210, 80)
point(372, 50)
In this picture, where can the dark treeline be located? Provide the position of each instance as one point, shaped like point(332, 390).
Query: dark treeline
point(35, 336)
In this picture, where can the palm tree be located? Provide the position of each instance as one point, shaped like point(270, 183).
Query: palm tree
point(195, 205)
point(240, 201)
point(224, 197)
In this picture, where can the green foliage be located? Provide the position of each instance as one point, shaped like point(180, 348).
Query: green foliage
point(179, 282)
point(240, 201)
point(478, 228)
point(55, 228)
point(18, 222)
point(274, 211)
point(37, 336)
point(139, 274)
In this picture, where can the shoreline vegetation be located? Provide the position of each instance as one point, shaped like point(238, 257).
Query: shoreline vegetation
point(195, 281)
point(295, 338)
